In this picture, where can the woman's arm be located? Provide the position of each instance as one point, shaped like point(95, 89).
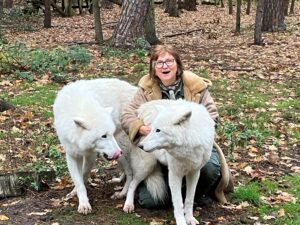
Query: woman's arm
point(129, 118)
point(208, 102)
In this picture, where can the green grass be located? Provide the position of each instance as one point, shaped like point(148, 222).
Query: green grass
point(253, 191)
point(33, 95)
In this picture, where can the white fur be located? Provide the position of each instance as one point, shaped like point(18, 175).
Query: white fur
point(86, 118)
point(181, 137)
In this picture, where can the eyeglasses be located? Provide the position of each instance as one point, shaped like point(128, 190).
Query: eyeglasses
point(160, 64)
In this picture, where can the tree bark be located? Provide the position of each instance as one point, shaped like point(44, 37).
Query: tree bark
point(238, 17)
point(190, 5)
point(172, 8)
point(258, 22)
point(286, 7)
point(47, 16)
point(273, 19)
point(292, 7)
point(248, 7)
point(131, 23)
point(150, 32)
point(230, 7)
point(97, 20)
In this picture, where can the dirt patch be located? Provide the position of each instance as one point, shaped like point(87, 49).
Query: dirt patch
point(49, 207)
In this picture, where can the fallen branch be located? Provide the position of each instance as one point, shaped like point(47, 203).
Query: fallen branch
point(236, 69)
point(186, 32)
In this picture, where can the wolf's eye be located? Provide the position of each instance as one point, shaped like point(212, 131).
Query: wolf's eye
point(157, 130)
point(104, 136)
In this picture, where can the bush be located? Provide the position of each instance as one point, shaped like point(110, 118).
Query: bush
point(27, 63)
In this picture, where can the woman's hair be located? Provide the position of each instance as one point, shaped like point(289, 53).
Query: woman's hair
point(160, 49)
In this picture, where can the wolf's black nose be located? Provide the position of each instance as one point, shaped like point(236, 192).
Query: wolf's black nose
point(141, 147)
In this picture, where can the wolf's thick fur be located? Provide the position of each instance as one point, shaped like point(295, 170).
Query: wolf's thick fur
point(182, 136)
point(86, 117)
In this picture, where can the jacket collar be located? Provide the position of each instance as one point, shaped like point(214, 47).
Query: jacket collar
point(193, 84)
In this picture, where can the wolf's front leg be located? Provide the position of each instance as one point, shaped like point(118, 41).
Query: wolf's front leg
point(175, 182)
point(129, 203)
point(75, 169)
point(191, 183)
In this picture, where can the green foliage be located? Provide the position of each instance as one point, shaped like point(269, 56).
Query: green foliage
point(237, 134)
point(27, 63)
point(58, 161)
point(249, 193)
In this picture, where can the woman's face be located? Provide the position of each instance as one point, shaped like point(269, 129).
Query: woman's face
point(166, 68)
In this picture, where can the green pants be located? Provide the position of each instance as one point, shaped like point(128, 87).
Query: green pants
point(209, 176)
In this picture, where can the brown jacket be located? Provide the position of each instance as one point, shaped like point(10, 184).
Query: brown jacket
point(195, 89)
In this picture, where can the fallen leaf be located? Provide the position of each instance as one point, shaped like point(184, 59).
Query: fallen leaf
point(3, 218)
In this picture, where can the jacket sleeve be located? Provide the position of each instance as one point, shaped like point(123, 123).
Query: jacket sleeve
point(208, 102)
point(129, 118)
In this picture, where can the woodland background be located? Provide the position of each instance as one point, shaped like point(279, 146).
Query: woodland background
point(256, 88)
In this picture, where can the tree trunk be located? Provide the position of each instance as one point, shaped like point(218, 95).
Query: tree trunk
point(150, 32)
point(286, 7)
point(273, 19)
point(230, 7)
point(292, 7)
point(190, 5)
point(97, 20)
point(258, 22)
point(248, 7)
point(222, 4)
point(47, 16)
point(131, 23)
point(106, 4)
point(172, 8)
point(238, 17)
point(1, 7)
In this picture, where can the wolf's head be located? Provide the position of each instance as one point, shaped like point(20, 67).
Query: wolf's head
point(164, 129)
point(97, 134)
point(176, 123)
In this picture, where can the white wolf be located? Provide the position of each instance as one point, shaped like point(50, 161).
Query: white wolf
point(86, 117)
point(182, 137)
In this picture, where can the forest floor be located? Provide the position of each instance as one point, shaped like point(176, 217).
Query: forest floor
point(207, 43)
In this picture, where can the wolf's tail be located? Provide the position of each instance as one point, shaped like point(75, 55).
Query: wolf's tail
point(157, 186)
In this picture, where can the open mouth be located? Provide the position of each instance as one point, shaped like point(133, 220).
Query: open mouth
point(106, 157)
point(166, 72)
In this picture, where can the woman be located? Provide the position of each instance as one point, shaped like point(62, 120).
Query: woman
point(168, 80)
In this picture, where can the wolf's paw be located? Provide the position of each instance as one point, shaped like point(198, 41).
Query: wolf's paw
point(117, 195)
point(191, 221)
point(128, 208)
point(84, 208)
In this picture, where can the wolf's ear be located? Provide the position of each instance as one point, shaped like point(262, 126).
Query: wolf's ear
point(80, 123)
point(183, 118)
point(109, 109)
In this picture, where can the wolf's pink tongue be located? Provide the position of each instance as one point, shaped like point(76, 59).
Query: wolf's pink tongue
point(117, 154)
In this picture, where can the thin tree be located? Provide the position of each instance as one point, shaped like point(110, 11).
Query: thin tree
point(150, 32)
point(292, 7)
point(47, 16)
point(286, 7)
point(230, 7)
point(97, 20)
point(238, 17)
point(248, 7)
point(258, 22)
point(130, 25)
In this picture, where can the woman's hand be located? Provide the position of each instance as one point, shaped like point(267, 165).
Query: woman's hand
point(145, 130)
